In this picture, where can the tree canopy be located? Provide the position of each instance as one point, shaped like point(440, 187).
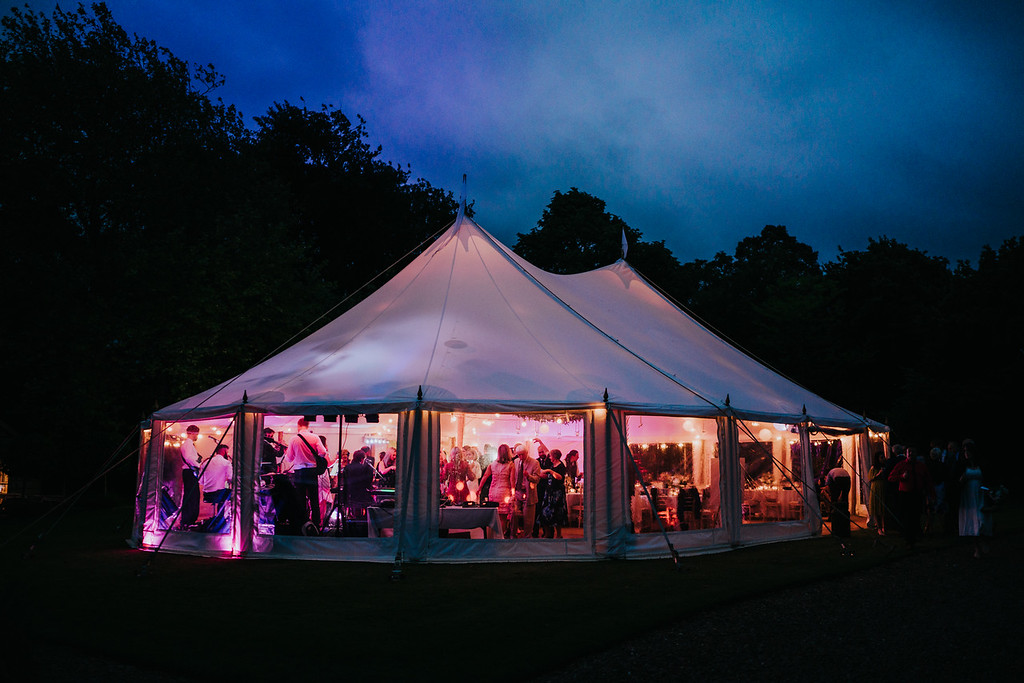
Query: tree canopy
point(158, 246)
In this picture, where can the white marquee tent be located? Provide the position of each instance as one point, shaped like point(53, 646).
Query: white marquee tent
point(470, 328)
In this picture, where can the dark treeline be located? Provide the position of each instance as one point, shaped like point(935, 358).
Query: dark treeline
point(935, 351)
point(155, 245)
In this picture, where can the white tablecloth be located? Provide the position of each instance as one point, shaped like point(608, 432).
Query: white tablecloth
point(784, 497)
point(640, 502)
point(450, 518)
point(572, 501)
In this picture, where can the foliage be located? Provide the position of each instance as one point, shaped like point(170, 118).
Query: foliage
point(889, 331)
point(576, 234)
point(153, 244)
point(344, 197)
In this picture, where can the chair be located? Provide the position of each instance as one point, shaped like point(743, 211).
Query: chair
point(709, 519)
point(667, 515)
point(577, 513)
point(646, 520)
point(689, 508)
point(796, 510)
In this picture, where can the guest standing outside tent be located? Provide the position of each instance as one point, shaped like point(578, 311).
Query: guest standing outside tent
point(190, 462)
point(972, 500)
point(937, 472)
point(876, 494)
point(838, 481)
point(899, 454)
point(953, 463)
point(914, 487)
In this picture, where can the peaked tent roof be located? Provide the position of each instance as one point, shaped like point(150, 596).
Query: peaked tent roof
point(476, 328)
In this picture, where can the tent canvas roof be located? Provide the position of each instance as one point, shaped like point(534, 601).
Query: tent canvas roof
point(476, 328)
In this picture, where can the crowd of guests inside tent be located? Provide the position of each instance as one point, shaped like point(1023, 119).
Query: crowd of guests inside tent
point(529, 492)
point(306, 490)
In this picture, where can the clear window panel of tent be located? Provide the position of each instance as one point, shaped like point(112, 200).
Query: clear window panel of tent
point(484, 495)
point(677, 459)
point(196, 476)
point(770, 467)
point(358, 485)
point(838, 448)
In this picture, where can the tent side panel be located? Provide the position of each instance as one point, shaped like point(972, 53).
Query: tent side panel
point(862, 465)
point(731, 481)
point(246, 447)
point(155, 455)
point(606, 511)
point(417, 481)
point(813, 514)
point(145, 487)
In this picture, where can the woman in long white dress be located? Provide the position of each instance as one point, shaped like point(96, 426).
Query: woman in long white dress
point(971, 501)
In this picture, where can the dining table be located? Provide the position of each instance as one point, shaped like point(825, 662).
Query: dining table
point(788, 501)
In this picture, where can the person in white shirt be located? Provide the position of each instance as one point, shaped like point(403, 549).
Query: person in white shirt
point(215, 478)
point(190, 462)
point(300, 464)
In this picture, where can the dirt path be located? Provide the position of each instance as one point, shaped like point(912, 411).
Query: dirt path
point(938, 616)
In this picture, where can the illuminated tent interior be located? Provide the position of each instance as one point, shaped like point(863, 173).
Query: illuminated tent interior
point(685, 443)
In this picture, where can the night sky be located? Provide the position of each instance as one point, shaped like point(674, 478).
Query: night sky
point(697, 123)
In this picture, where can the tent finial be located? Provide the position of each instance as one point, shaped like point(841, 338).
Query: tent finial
point(727, 400)
point(245, 397)
point(462, 199)
point(606, 394)
point(419, 394)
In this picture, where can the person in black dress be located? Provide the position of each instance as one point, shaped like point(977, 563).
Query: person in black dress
point(553, 514)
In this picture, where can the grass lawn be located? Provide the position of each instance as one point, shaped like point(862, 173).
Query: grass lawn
point(200, 617)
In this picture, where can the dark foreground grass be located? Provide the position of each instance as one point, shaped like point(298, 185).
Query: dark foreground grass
point(79, 591)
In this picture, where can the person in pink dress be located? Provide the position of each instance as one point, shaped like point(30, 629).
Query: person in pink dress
point(499, 476)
